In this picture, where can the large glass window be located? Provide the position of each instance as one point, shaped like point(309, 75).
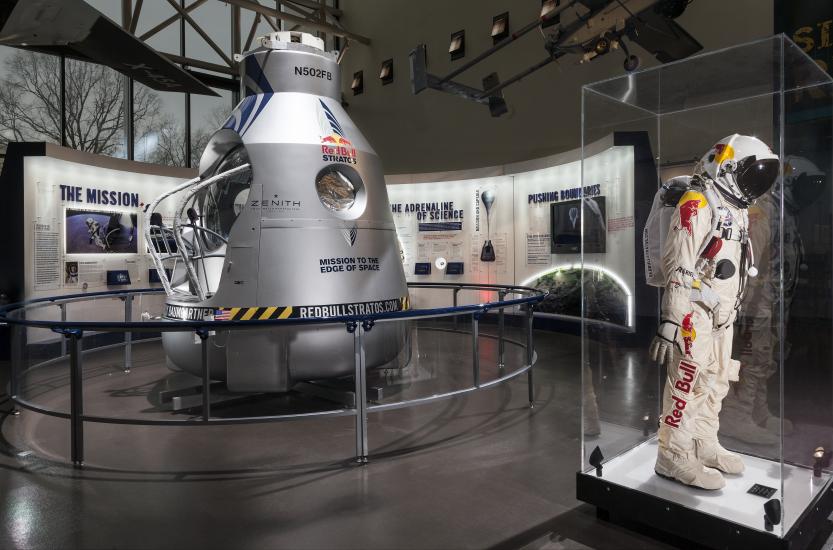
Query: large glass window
point(207, 115)
point(109, 8)
point(159, 117)
point(153, 14)
point(95, 109)
point(263, 28)
point(95, 97)
point(159, 126)
point(30, 96)
point(215, 20)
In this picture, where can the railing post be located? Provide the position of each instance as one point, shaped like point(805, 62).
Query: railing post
point(128, 336)
point(63, 307)
point(475, 348)
point(76, 397)
point(500, 342)
point(206, 375)
point(455, 292)
point(18, 358)
point(358, 330)
point(529, 355)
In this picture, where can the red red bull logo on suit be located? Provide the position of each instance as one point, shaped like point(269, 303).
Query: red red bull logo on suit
point(689, 208)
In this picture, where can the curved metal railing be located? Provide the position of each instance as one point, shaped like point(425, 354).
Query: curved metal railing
point(15, 315)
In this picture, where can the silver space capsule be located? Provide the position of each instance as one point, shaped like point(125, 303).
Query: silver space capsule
point(288, 219)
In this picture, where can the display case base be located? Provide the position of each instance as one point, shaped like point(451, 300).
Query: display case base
point(629, 490)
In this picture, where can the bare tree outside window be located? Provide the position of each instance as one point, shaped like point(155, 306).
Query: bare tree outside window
point(167, 139)
point(30, 110)
point(30, 104)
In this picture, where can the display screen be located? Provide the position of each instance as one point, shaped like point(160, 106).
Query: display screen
point(565, 220)
point(454, 268)
point(422, 268)
point(118, 277)
point(100, 232)
point(153, 275)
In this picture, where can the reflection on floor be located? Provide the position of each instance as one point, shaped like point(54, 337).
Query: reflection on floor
point(477, 471)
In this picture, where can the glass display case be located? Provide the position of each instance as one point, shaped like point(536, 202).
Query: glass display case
point(726, 439)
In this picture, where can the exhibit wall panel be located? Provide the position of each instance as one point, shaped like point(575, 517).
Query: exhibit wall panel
point(447, 220)
point(534, 223)
point(81, 223)
point(548, 204)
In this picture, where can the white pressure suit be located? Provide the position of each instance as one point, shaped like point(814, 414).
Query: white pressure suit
point(707, 260)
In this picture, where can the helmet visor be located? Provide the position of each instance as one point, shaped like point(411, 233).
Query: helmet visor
point(755, 177)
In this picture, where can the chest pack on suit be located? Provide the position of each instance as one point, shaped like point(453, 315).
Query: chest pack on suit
point(720, 244)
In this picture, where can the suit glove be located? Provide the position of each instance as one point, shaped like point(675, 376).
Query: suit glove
point(663, 344)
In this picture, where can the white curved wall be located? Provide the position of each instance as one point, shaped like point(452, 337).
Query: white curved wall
point(520, 220)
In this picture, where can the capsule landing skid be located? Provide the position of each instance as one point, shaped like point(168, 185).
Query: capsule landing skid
point(336, 391)
point(190, 397)
point(340, 391)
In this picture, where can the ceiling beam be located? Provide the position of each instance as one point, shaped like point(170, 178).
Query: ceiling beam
point(202, 33)
point(170, 20)
point(335, 12)
point(252, 32)
point(134, 19)
point(325, 27)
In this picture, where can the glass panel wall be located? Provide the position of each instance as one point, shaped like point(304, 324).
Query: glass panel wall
point(215, 20)
point(165, 128)
point(159, 126)
point(95, 109)
point(30, 97)
point(207, 115)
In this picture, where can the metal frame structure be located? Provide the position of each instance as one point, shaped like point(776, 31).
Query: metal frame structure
point(16, 316)
point(314, 15)
point(318, 16)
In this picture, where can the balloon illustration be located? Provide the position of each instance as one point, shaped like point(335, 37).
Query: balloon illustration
point(487, 253)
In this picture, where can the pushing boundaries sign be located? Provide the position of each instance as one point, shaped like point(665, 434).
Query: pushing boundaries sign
point(266, 313)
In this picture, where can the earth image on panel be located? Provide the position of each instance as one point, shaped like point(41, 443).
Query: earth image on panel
point(605, 300)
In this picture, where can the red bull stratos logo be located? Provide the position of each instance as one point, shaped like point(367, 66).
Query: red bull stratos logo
point(335, 147)
point(689, 207)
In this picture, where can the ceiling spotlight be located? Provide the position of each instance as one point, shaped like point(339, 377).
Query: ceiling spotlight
point(547, 8)
point(386, 72)
point(358, 83)
point(457, 47)
point(602, 45)
point(500, 27)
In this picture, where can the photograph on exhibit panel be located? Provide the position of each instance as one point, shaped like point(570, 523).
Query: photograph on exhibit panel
point(100, 232)
point(71, 273)
point(565, 220)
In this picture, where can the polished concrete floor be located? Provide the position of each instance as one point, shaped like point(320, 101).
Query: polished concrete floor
point(476, 471)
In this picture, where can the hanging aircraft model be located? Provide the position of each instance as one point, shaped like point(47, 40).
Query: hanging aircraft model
point(598, 27)
point(77, 30)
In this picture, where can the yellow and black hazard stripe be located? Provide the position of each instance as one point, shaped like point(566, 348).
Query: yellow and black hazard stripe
point(254, 313)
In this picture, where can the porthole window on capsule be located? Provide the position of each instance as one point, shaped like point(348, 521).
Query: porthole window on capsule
point(338, 188)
